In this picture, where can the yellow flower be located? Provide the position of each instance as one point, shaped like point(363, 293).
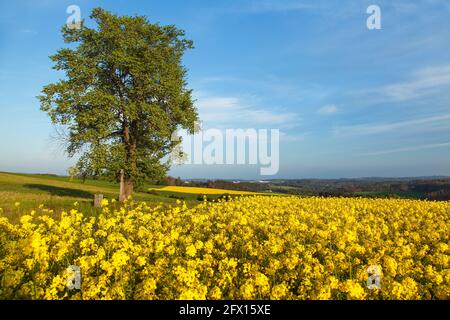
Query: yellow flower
point(325, 294)
point(141, 261)
point(170, 250)
point(119, 259)
point(104, 202)
point(307, 248)
point(191, 250)
point(247, 291)
point(407, 289)
point(354, 290)
point(198, 245)
point(390, 265)
point(261, 280)
point(279, 291)
point(215, 293)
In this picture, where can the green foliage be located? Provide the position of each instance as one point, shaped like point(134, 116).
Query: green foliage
point(123, 95)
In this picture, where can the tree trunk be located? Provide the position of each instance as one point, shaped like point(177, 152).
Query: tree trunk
point(126, 187)
point(126, 181)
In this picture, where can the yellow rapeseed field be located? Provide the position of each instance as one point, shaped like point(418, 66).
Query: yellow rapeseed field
point(205, 191)
point(255, 247)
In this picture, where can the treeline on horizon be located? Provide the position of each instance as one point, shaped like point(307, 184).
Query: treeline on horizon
point(431, 189)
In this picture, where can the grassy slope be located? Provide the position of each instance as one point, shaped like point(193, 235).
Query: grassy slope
point(56, 193)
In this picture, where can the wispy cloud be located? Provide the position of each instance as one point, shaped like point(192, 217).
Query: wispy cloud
point(410, 6)
point(28, 31)
point(214, 103)
point(429, 81)
point(234, 111)
point(376, 128)
point(409, 149)
point(261, 6)
point(328, 109)
point(288, 137)
point(407, 6)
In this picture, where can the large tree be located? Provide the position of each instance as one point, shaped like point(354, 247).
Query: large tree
point(123, 95)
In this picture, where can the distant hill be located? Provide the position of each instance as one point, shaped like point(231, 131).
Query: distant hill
point(432, 188)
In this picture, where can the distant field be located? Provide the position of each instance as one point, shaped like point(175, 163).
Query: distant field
point(197, 190)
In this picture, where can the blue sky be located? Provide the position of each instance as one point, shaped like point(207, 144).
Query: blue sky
point(350, 102)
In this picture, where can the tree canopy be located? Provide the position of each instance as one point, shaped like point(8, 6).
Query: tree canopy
point(123, 95)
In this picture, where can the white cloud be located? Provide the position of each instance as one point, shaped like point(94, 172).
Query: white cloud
point(375, 128)
point(418, 6)
point(328, 109)
point(269, 117)
point(407, 149)
point(214, 103)
point(234, 112)
point(424, 82)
